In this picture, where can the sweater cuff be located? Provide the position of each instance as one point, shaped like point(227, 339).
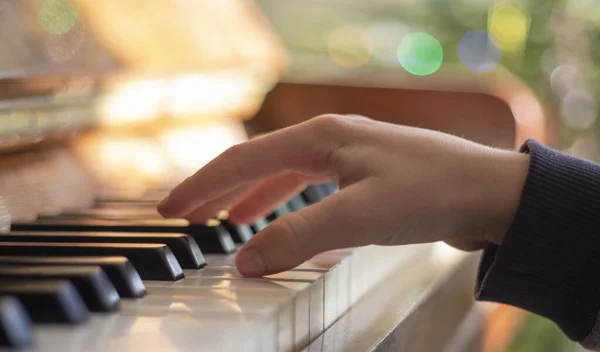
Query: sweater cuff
point(549, 261)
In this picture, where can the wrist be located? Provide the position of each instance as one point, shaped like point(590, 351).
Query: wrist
point(501, 189)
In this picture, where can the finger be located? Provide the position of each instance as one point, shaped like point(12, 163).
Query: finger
point(305, 148)
point(267, 195)
point(296, 237)
point(210, 209)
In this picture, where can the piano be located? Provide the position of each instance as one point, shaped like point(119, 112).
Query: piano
point(102, 112)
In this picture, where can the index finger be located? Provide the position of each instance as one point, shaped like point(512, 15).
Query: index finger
point(305, 148)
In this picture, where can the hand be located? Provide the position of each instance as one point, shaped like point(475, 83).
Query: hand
point(398, 185)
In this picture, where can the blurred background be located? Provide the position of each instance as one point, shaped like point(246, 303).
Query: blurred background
point(553, 46)
point(174, 71)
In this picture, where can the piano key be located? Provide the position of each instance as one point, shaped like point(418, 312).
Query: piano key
point(333, 266)
point(93, 285)
point(279, 212)
point(279, 304)
point(15, 325)
point(111, 202)
point(240, 233)
point(300, 290)
point(117, 213)
point(259, 224)
point(119, 270)
point(296, 203)
point(320, 300)
point(183, 246)
point(329, 188)
point(48, 301)
point(313, 194)
point(155, 328)
point(210, 239)
point(152, 261)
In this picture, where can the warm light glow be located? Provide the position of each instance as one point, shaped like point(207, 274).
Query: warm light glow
point(208, 94)
point(134, 101)
point(510, 26)
point(203, 96)
point(190, 148)
point(128, 163)
point(349, 46)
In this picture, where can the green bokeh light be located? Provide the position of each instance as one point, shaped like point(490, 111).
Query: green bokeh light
point(420, 54)
point(58, 16)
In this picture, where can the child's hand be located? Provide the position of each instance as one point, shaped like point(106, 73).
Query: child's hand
point(398, 185)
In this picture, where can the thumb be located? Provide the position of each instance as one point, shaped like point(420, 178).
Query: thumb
point(296, 237)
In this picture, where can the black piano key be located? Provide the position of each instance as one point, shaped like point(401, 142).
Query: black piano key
point(329, 188)
point(240, 233)
point(119, 270)
point(15, 325)
point(116, 202)
point(183, 246)
point(152, 261)
point(210, 239)
point(259, 225)
point(313, 194)
point(118, 213)
point(278, 212)
point(296, 203)
point(93, 285)
point(48, 301)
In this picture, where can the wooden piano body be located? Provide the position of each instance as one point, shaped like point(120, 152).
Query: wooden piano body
point(67, 155)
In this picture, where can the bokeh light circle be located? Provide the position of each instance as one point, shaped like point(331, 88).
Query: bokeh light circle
point(509, 25)
point(420, 54)
point(479, 51)
point(349, 46)
point(58, 16)
point(565, 79)
point(579, 110)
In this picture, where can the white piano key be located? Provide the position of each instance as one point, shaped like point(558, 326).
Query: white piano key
point(318, 300)
point(277, 304)
point(173, 332)
point(321, 262)
point(285, 311)
point(300, 290)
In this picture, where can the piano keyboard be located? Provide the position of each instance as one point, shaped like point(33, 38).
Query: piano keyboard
point(117, 277)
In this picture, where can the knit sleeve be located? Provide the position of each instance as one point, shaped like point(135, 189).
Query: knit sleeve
point(549, 260)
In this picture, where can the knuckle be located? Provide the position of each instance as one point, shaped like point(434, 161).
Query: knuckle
point(330, 132)
point(359, 117)
point(329, 123)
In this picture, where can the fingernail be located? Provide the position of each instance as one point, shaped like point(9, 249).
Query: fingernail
point(251, 263)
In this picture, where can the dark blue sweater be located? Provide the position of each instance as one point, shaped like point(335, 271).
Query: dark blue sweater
point(549, 261)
